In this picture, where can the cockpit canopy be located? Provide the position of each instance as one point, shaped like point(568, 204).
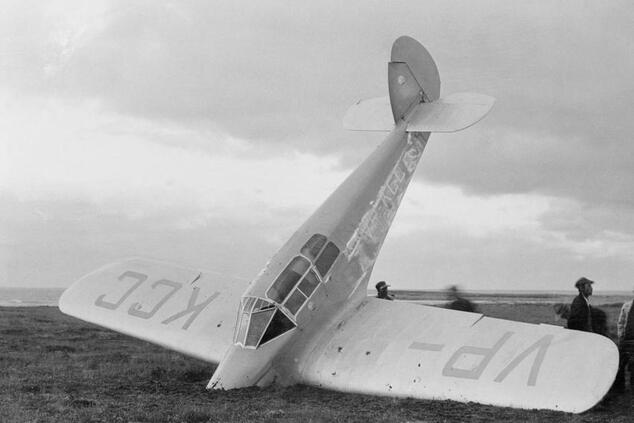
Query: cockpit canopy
point(304, 273)
point(260, 321)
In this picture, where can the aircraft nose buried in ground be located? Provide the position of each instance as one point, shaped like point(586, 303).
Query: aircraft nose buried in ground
point(271, 309)
point(261, 325)
point(306, 317)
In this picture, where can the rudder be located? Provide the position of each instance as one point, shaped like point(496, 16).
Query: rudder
point(414, 96)
point(412, 76)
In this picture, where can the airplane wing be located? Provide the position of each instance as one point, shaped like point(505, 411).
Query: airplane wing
point(186, 310)
point(410, 350)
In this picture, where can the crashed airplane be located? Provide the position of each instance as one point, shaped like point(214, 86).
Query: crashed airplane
point(306, 317)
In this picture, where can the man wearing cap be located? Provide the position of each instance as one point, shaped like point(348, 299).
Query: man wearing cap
point(580, 315)
point(625, 332)
point(381, 291)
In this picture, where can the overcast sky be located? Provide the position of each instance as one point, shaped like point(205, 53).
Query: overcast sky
point(205, 133)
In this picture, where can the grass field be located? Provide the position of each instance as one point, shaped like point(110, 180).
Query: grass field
point(58, 369)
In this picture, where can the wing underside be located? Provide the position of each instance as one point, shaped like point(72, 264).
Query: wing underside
point(409, 350)
point(186, 310)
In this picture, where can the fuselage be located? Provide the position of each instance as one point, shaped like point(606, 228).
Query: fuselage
point(322, 271)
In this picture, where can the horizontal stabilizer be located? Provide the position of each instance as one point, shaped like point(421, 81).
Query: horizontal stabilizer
point(449, 114)
point(186, 310)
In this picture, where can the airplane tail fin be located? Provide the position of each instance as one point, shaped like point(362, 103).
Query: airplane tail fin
point(412, 77)
point(414, 96)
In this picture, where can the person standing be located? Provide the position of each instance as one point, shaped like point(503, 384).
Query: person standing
point(625, 333)
point(381, 291)
point(580, 314)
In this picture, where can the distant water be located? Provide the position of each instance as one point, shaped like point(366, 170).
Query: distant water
point(29, 297)
point(511, 297)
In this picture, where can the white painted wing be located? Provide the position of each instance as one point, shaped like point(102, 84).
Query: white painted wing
point(186, 310)
point(409, 350)
point(450, 114)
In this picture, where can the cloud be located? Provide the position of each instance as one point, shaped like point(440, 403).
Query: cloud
point(593, 170)
point(283, 74)
point(56, 150)
point(435, 259)
point(436, 207)
point(202, 118)
point(545, 221)
point(81, 186)
point(53, 242)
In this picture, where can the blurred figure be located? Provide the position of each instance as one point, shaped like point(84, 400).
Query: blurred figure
point(580, 315)
point(381, 291)
point(625, 332)
point(458, 302)
point(562, 311)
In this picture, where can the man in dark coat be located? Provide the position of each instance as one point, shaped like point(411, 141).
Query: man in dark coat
point(381, 291)
point(599, 321)
point(580, 314)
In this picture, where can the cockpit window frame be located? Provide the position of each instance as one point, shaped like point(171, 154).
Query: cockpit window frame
point(314, 256)
point(249, 308)
point(308, 249)
point(330, 261)
point(273, 292)
point(264, 324)
point(305, 285)
point(278, 312)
